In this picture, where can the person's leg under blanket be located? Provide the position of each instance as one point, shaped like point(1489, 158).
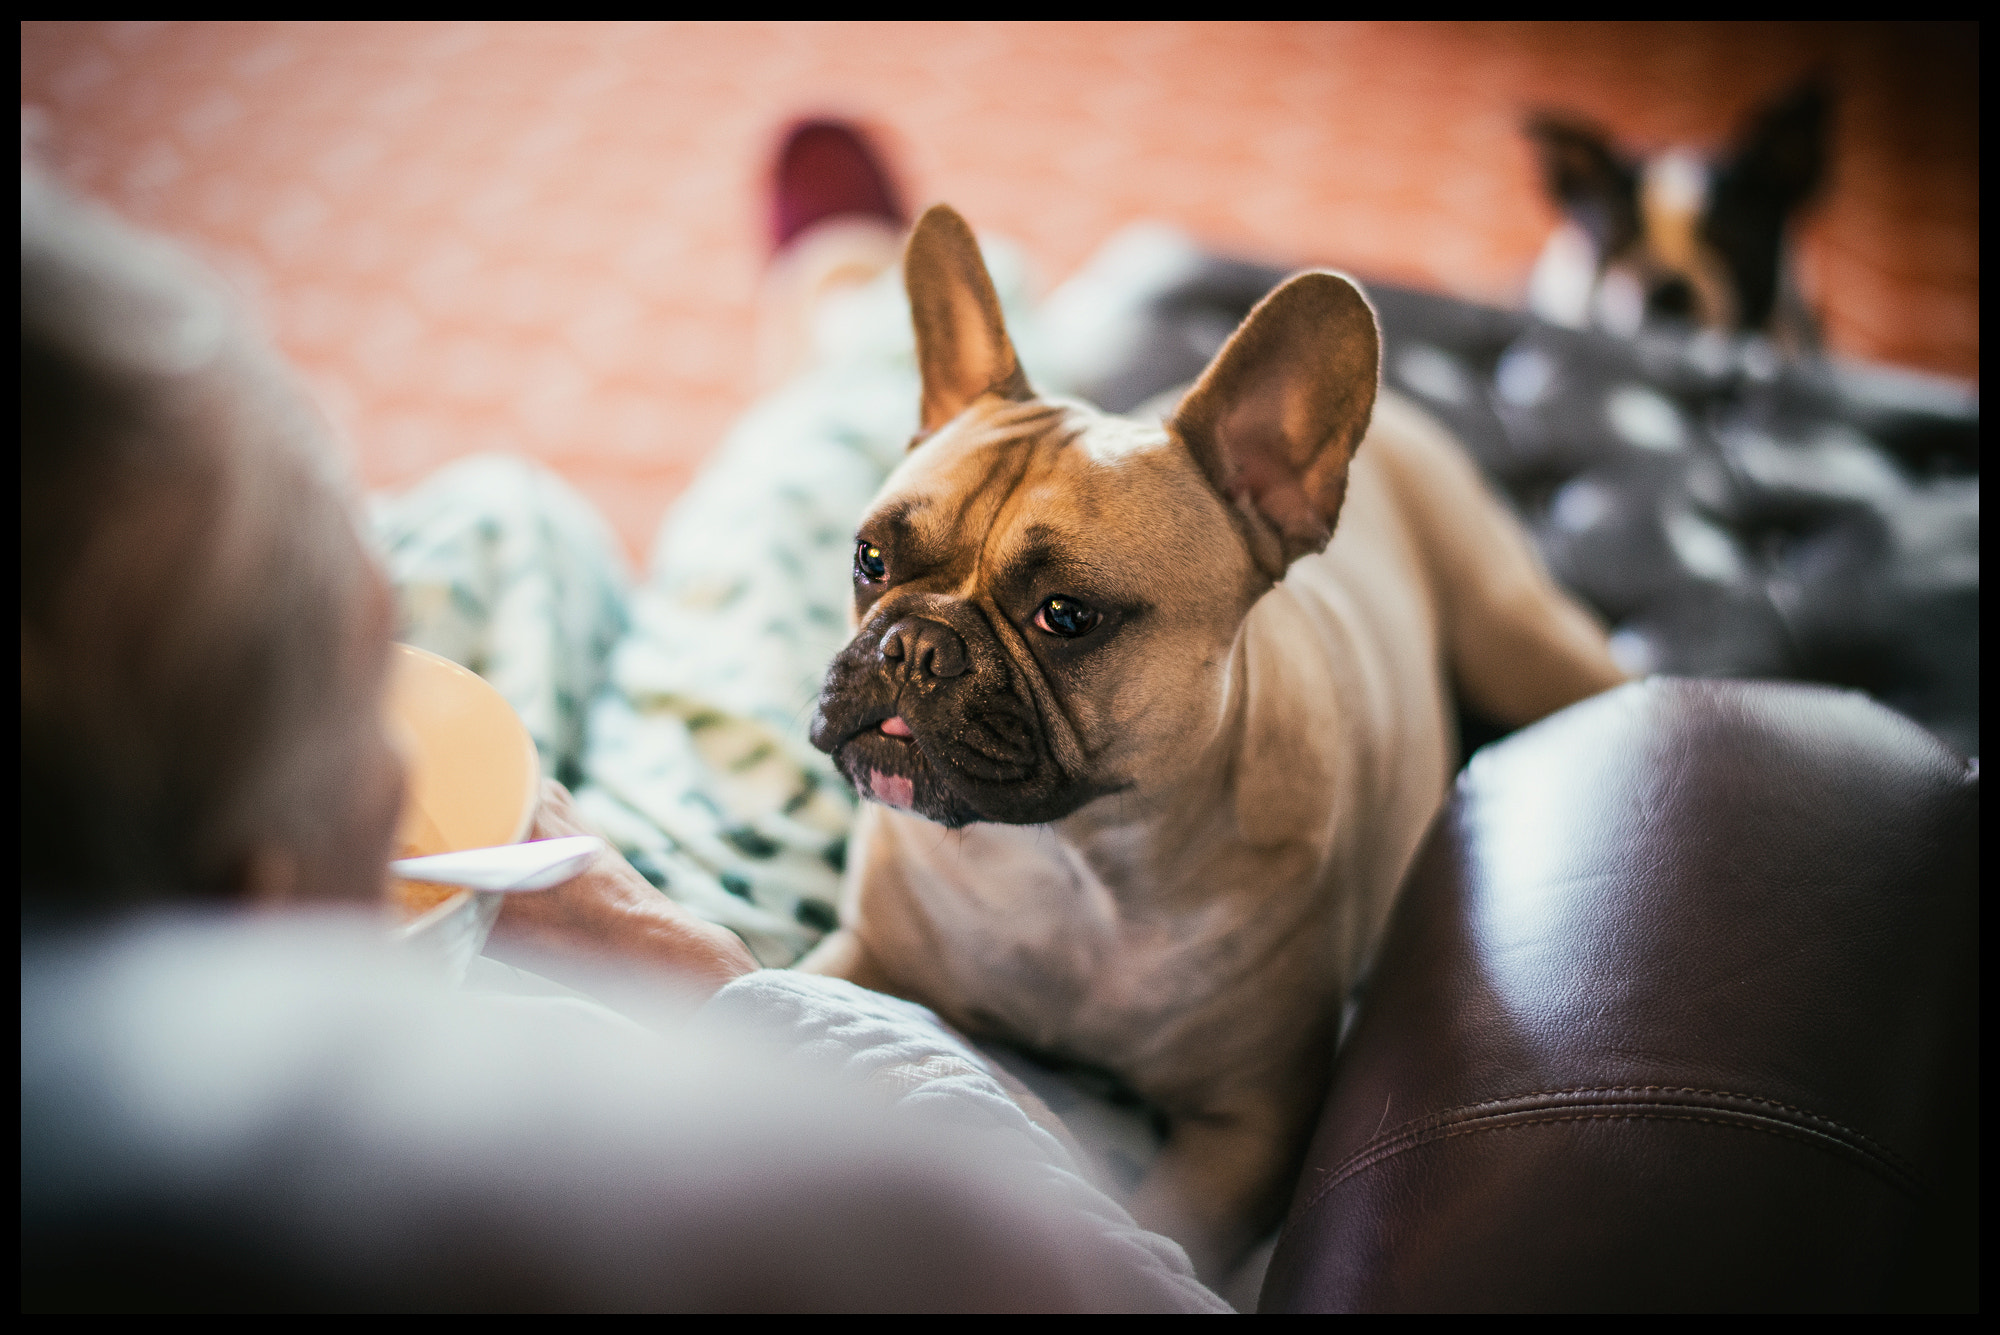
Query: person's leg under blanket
point(499, 565)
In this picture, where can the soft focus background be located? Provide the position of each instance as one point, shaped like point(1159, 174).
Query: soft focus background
point(546, 238)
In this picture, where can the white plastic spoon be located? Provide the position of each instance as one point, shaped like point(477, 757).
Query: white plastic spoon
point(535, 866)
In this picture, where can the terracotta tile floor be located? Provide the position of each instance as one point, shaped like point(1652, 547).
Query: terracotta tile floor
point(545, 238)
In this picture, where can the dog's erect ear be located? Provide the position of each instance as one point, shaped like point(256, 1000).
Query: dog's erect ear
point(1774, 167)
point(962, 345)
point(1589, 180)
point(1782, 151)
point(1275, 419)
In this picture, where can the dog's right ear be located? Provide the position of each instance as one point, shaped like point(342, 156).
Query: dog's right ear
point(1275, 419)
point(1781, 154)
point(1591, 182)
point(962, 345)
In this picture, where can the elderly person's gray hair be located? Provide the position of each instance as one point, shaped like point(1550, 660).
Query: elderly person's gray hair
point(185, 555)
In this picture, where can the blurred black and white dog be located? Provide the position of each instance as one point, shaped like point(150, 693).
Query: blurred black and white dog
point(1681, 235)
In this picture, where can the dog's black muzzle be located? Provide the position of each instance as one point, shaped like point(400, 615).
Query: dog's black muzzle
point(977, 748)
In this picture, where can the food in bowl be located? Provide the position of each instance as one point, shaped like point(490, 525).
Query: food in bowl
point(412, 899)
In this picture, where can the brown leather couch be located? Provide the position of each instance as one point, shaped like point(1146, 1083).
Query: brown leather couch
point(1678, 1012)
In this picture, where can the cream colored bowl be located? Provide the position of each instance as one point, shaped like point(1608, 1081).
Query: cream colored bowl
point(474, 780)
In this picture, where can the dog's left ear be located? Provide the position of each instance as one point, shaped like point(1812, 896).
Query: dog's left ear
point(962, 345)
point(1275, 419)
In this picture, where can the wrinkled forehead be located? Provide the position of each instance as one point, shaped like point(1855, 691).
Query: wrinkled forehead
point(1054, 488)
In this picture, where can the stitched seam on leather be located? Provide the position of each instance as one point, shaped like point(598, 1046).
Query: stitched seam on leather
point(1807, 1135)
point(1385, 1148)
point(1812, 1121)
point(1728, 1116)
point(1474, 1109)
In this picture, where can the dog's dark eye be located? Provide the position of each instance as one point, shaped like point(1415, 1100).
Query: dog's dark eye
point(869, 562)
point(1066, 617)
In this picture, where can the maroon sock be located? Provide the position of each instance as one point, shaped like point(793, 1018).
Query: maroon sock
point(826, 169)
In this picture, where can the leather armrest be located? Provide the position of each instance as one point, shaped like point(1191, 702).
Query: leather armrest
point(1678, 1011)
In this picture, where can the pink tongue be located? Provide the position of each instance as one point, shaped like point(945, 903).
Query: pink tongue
point(895, 726)
point(891, 790)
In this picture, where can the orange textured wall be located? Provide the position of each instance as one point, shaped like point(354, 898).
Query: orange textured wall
point(546, 238)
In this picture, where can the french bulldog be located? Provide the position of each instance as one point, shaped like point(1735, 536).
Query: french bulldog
point(1153, 717)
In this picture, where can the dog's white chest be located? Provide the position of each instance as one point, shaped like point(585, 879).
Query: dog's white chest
point(1004, 928)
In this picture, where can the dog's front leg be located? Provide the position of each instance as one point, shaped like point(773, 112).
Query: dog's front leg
point(1221, 1181)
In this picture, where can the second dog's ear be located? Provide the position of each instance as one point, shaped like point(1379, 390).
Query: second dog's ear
point(1275, 419)
point(1781, 153)
point(1590, 181)
point(962, 345)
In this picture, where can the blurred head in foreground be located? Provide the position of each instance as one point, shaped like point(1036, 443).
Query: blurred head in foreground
point(203, 639)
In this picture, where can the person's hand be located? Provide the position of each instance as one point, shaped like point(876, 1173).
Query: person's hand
point(609, 913)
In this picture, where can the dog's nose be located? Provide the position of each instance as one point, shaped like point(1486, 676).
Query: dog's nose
point(927, 646)
point(1673, 299)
